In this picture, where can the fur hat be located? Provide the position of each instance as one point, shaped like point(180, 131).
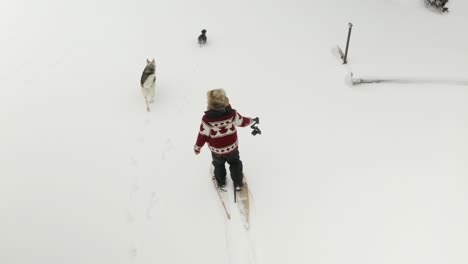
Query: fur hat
point(216, 99)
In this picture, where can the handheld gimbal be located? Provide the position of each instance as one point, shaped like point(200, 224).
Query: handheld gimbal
point(256, 130)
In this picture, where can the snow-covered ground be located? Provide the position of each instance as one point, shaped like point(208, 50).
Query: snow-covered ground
point(365, 174)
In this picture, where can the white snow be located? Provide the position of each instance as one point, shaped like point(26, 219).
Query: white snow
point(367, 174)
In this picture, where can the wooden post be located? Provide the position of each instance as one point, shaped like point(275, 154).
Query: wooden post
point(347, 43)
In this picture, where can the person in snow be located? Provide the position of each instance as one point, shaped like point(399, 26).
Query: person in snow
point(218, 129)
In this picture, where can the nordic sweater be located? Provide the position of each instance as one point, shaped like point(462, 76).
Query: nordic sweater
point(218, 129)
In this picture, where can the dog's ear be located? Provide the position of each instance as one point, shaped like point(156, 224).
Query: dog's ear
point(148, 61)
point(153, 61)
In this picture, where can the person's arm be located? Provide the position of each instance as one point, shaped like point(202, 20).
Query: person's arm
point(242, 121)
point(202, 138)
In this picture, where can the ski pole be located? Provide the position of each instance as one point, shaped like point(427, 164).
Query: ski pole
point(235, 194)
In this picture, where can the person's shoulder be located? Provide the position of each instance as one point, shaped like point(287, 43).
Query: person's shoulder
point(206, 115)
point(230, 109)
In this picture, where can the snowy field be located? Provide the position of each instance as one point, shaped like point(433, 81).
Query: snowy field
point(370, 174)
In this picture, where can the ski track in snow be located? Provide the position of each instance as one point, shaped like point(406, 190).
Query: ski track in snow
point(226, 239)
point(240, 249)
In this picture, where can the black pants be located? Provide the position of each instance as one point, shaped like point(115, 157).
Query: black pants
point(235, 167)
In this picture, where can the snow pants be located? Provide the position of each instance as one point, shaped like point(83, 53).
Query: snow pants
point(235, 167)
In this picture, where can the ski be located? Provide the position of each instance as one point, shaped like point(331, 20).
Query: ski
point(220, 195)
point(241, 198)
point(243, 203)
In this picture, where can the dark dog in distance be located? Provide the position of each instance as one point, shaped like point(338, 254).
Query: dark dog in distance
point(202, 38)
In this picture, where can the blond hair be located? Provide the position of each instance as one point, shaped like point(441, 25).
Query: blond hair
point(216, 99)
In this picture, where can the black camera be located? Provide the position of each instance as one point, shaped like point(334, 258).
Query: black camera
point(256, 130)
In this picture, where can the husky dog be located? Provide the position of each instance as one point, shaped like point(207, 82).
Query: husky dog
point(202, 38)
point(148, 79)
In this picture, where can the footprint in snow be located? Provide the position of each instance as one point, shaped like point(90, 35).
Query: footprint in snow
point(168, 146)
point(153, 201)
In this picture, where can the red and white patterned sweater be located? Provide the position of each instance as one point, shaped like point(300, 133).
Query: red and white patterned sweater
point(218, 129)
